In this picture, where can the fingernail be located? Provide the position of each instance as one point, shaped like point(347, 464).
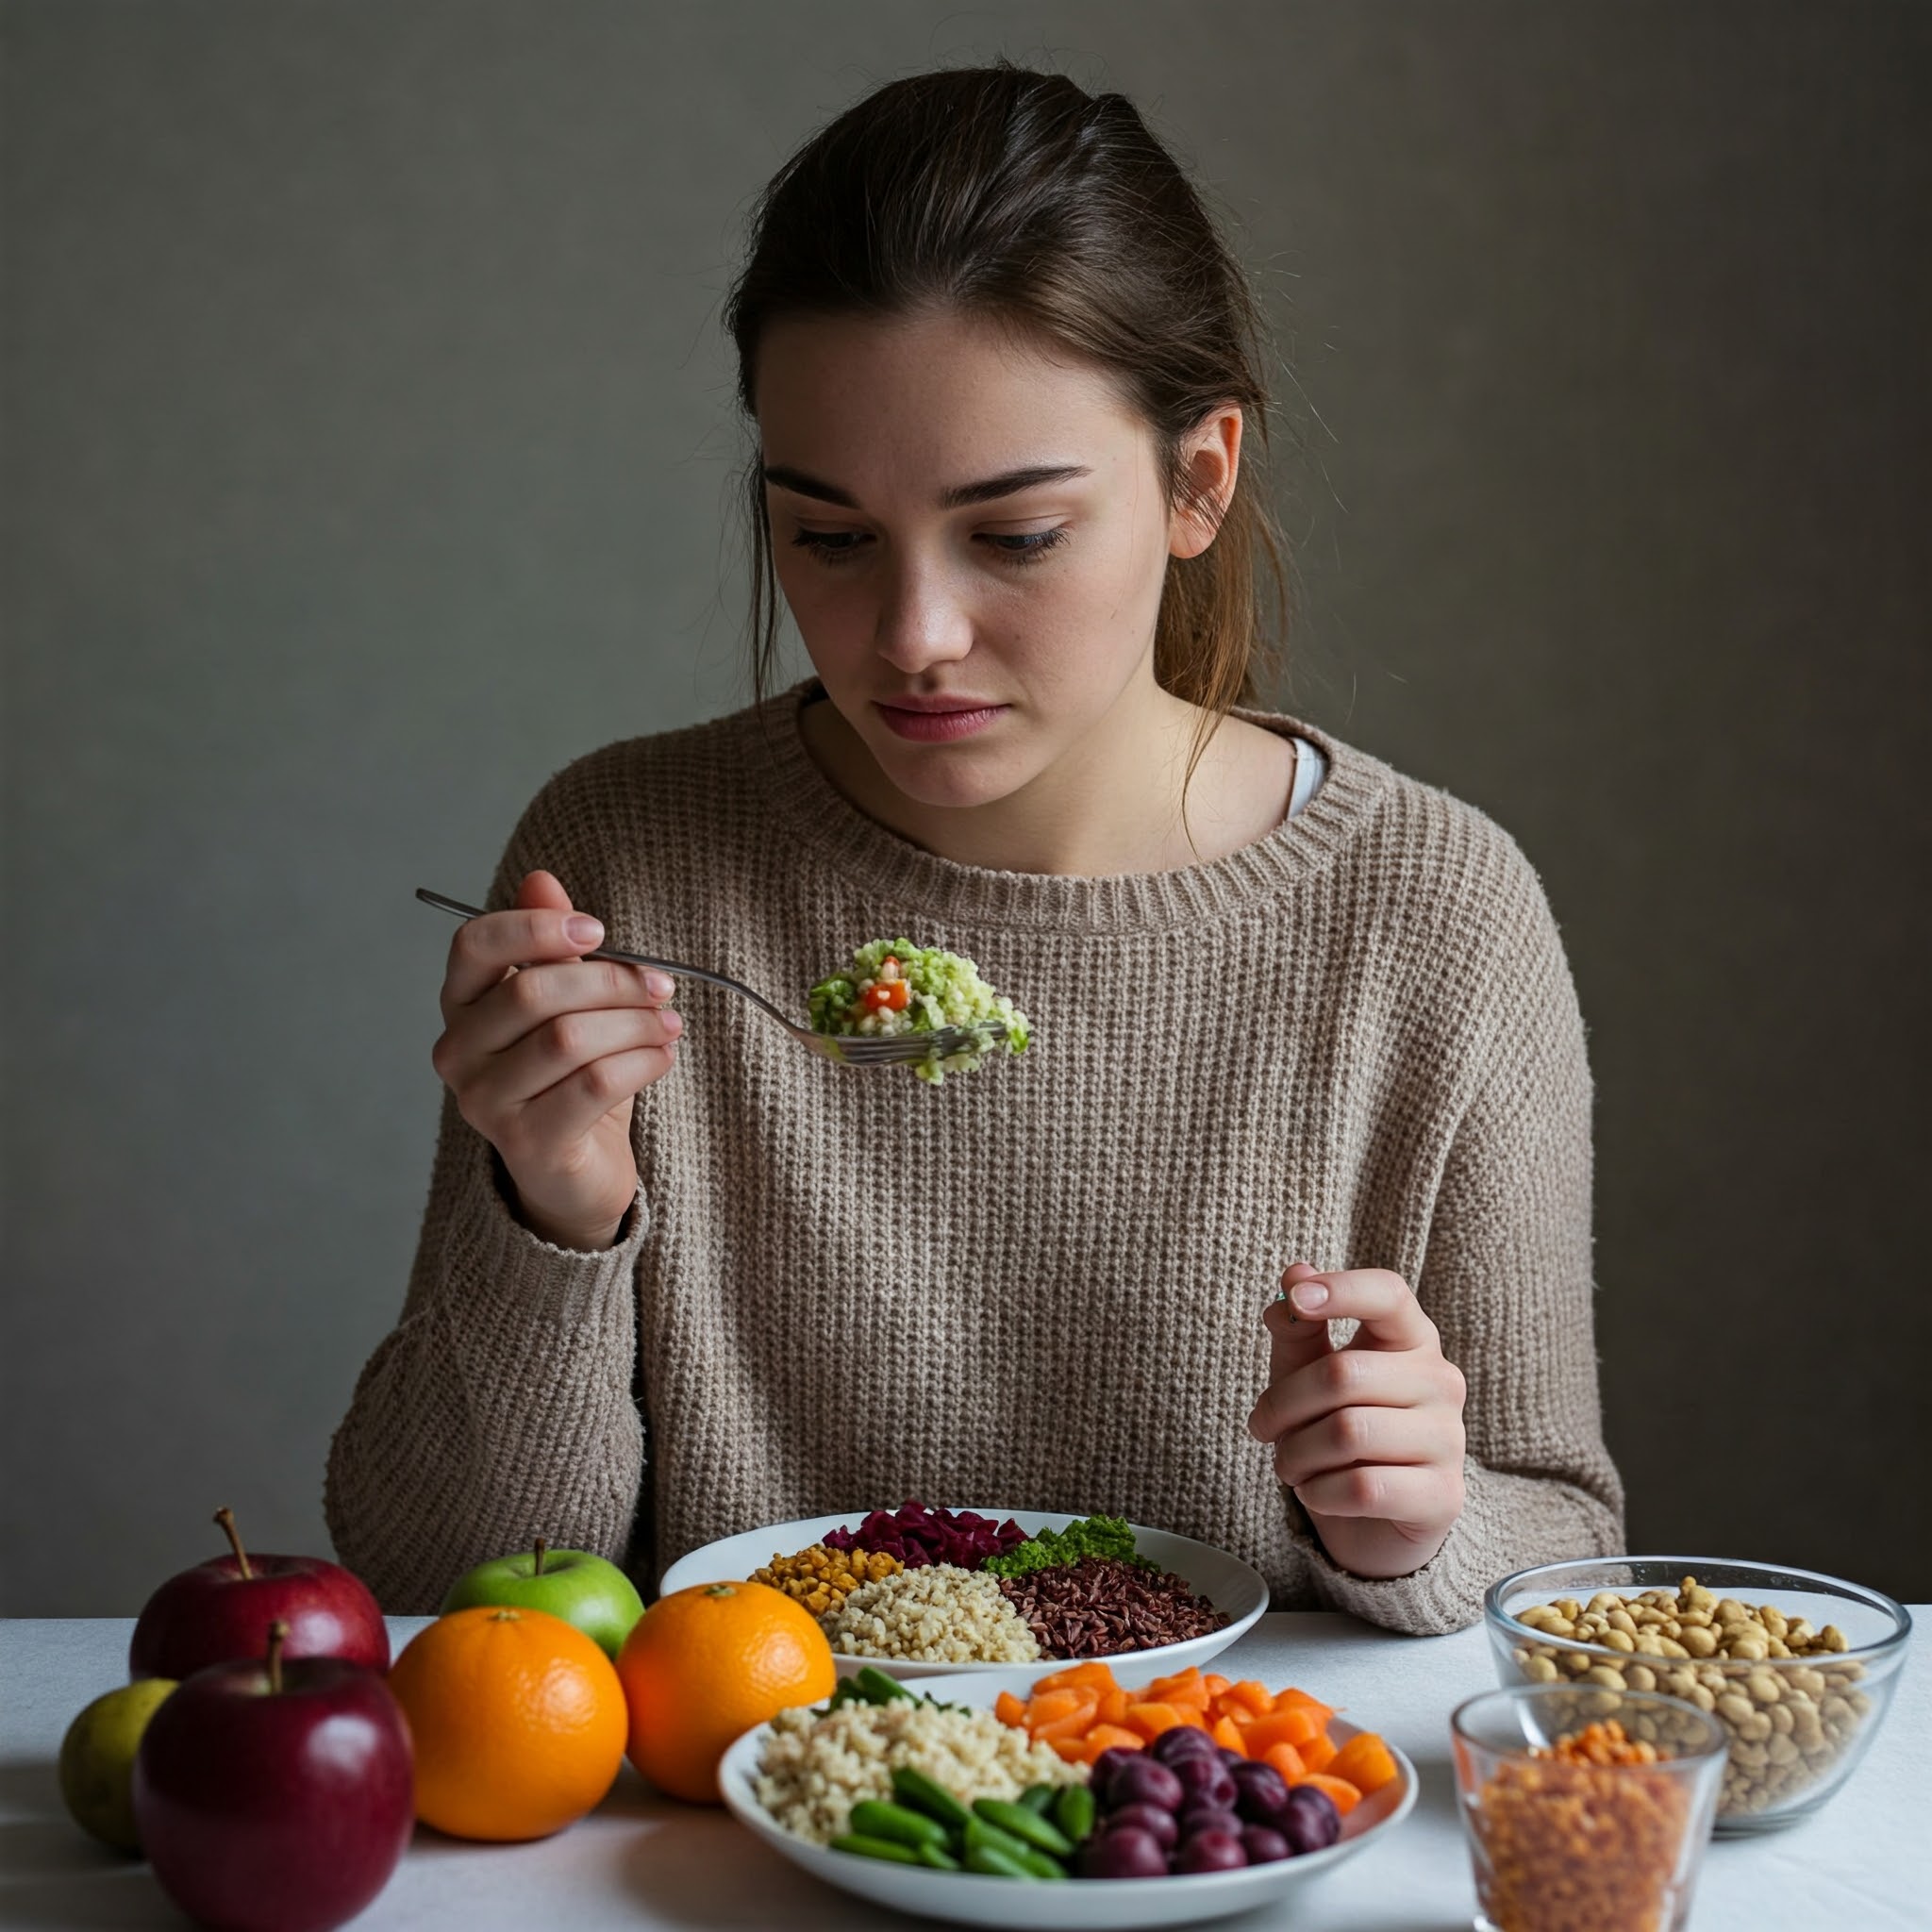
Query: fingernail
point(580, 929)
point(660, 985)
point(1309, 1296)
point(673, 1021)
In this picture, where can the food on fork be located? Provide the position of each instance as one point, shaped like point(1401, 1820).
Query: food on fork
point(893, 987)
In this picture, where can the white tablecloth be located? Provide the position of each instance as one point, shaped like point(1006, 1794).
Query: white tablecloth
point(640, 1863)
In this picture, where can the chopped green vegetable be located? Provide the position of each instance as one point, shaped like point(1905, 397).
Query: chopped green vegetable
point(894, 987)
point(1092, 1536)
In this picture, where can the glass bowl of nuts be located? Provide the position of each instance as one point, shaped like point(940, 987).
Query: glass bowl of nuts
point(1796, 1666)
point(1584, 1806)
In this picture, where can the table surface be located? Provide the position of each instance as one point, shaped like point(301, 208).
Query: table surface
point(642, 1862)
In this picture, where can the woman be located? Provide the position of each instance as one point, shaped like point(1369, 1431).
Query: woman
point(674, 1284)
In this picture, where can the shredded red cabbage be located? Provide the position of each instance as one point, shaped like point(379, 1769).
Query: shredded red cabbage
point(919, 1536)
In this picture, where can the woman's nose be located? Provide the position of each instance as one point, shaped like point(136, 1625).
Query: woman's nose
point(922, 618)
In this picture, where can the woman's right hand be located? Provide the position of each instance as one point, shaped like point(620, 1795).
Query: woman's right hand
point(545, 1053)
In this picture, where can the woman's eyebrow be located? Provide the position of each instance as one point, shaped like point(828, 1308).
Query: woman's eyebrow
point(785, 477)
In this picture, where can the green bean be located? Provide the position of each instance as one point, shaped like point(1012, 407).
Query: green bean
point(899, 1822)
point(994, 1863)
point(1074, 1811)
point(921, 1793)
point(862, 1846)
point(1027, 1825)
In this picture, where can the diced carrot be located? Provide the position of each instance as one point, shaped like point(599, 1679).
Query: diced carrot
point(1077, 1723)
point(1317, 1754)
point(1346, 1795)
point(1290, 1727)
point(1009, 1711)
point(1151, 1719)
point(1227, 1734)
point(1113, 1707)
point(1105, 1737)
point(1091, 1675)
point(1049, 1706)
point(1365, 1763)
point(1255, 1696)
point(1217, 1687)
point(1287, 1761)
point(1292, 1698)
point(1073, 1749)
point(1184, 1687)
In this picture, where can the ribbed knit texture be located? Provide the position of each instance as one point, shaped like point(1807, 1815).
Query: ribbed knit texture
point(1353, 1043)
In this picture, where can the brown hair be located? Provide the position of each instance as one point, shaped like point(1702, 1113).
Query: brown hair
point(1016, 195)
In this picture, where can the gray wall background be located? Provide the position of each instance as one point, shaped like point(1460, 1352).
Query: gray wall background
point(368, 437)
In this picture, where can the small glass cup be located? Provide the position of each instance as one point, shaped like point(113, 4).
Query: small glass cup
point(1558, 1844)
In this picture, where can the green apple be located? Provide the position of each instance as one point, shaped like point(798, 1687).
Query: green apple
point(580, 1588)
point(97, 1760)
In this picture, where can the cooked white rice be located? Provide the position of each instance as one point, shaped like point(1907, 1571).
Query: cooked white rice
point(940, 1614)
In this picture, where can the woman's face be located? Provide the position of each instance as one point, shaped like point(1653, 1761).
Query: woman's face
point(971, 537)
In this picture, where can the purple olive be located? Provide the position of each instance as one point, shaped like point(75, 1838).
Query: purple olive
point(1264, 1846)
point(1310, 1821)
point(1143, 1780)
point(1231, 1759)
point(1125, 1854)
point(1260, 1793)
point(1182, 1741)
point(1206, 1781)
point(1157, 1824)
point(1104, 1766)
point(1211, 1851)
point(1199, 1817)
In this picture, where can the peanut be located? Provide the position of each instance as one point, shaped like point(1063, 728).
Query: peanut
point(1789, 1720)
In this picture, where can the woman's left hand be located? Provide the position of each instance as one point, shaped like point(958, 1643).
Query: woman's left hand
point(1369, 1436)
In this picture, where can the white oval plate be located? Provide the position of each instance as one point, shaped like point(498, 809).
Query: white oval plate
point(1225, 1581)
point(1080, 1905)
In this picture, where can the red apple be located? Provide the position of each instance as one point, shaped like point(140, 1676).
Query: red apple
point(219, 1612)
point(278, 1797)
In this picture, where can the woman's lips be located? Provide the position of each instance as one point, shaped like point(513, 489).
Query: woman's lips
point(926, 726)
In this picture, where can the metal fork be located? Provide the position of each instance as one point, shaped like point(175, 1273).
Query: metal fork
point(847, 1049)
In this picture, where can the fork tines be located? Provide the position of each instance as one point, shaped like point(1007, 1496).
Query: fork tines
point(862, 1049)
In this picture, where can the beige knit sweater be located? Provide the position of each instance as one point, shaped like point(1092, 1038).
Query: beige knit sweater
point(1040, 1286)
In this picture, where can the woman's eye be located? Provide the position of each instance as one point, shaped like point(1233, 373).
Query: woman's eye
point(836, 546)
point(829, 546)
point(1025, 549)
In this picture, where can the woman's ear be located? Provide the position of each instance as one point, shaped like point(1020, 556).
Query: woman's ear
point(1210, 464)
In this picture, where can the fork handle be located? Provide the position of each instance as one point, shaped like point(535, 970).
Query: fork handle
point(443, 904)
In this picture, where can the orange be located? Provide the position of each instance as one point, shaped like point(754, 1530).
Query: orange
point(704, 1665)
point(518, 1718)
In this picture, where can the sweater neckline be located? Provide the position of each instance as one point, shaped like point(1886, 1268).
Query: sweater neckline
point(808, 809)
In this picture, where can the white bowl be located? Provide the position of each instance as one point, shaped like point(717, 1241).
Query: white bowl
point(1225, 1581)
point(1100, 1904)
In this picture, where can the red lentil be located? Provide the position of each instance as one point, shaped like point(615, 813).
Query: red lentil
point(1580, 1836)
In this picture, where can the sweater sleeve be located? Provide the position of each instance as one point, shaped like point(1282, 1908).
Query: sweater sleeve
point(499, 1408)
point(1507, 1279)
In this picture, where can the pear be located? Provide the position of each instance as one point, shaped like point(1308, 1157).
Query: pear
point(97, 1760)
